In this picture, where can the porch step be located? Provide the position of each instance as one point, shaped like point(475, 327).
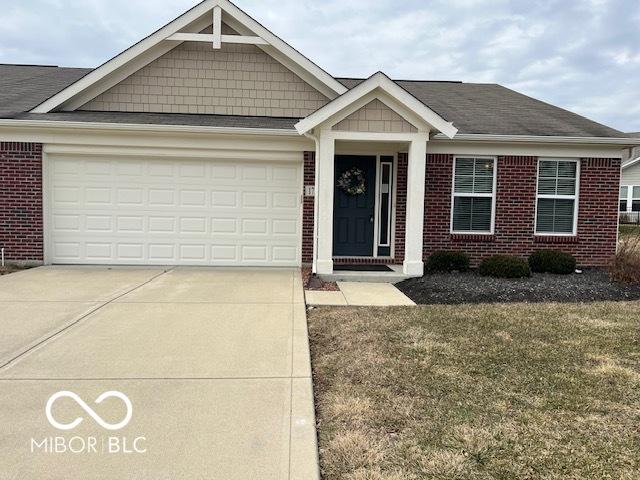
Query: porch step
point(395, 276)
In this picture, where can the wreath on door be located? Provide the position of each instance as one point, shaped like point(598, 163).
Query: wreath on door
point(352, 182)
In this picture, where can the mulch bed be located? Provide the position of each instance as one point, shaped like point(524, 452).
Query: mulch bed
point(312, 282)
point(459, 288)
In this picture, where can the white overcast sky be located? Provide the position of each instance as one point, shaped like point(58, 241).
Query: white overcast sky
point(583, 55)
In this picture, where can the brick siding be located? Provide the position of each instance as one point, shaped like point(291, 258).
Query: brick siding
point(308, 208)
point(21, 229)
point(401, 206)
point(515, 212)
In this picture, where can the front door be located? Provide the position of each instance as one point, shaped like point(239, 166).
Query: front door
point(354, 205)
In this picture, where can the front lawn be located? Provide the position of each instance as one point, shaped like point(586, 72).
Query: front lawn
point(527, 391)
point(628, 230)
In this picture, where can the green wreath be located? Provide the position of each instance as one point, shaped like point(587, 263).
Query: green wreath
point(352, 182)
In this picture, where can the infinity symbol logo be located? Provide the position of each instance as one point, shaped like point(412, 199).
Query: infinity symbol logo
point(89, 410)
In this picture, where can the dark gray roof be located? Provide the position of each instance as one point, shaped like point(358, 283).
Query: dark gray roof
point(235, 121)
point(472, 107)
point(494, 109)
point(23, 87)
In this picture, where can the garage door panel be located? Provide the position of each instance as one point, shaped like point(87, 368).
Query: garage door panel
point(161, 211)
point(98, 223)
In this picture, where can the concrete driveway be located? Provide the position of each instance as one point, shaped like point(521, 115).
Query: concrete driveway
point(215, 364)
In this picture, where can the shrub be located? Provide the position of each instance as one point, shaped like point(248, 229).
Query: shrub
point(552, 261)
point(503, 266)
point(445, 261)
point(625, 265)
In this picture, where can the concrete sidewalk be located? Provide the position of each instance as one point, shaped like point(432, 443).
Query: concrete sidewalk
point(360, 294)
point(215, 363)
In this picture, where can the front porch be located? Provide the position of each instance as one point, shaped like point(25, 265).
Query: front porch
point(394, 235)
point(369, 179)
point(394, 274)
point(375, 229)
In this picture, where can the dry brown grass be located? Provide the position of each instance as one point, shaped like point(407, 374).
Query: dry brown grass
point(10, 269)
point(625, 266)
point(545, 391)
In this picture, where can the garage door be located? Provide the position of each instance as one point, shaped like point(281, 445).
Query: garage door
point(130, 211)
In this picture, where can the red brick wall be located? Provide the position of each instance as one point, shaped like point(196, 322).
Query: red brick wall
point(21, 231)
point(515, 211)
point(308, 209)
point(401, 207)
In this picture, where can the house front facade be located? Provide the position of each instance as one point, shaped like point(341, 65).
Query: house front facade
point(213, 142)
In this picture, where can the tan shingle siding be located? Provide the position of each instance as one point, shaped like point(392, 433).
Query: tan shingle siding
point(375, 117)
point(194, 78)
point(631, 175)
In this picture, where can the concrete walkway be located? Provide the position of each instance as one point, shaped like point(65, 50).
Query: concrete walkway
point(359, 294)
point(214, 362)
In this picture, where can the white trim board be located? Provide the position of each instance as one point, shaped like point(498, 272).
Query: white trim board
point(533, 149)
point(631, 163)
point(158, 43)
point(159, 139)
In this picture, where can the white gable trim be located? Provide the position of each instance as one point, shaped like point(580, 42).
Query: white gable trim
point(158, 43)
point(378, 82)
point(631, 163)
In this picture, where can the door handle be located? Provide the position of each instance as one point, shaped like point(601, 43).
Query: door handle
point(371, 219)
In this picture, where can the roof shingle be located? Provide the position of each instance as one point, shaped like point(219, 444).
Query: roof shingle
point(473, 108)
point(480, 108)
point(23, 87)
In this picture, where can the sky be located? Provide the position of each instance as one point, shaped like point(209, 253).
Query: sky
point(582, 55)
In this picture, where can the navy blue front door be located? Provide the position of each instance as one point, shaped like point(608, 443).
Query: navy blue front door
point(353, 214)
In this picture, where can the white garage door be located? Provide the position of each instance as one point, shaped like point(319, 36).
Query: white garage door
point(129, 211)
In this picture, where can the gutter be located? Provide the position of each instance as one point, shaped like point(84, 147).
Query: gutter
point(137, 127)
point(141, 127)
point(473, 137)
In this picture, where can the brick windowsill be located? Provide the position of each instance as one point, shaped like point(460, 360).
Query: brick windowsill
point(556, 239)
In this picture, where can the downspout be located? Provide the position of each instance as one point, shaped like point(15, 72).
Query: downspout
point(315, 202)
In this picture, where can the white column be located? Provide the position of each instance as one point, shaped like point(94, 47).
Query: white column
point(414, 228)
point(324, 196)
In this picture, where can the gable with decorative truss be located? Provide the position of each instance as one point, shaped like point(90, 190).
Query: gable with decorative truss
point(212, 59)
point(235, 79)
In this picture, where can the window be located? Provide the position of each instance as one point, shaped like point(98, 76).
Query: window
point(474, 185)
point(635, 199)
point(557, 201)
point(624, 193)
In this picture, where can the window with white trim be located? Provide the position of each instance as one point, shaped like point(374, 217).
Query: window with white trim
point(635, 199)
point(624, 194)
point(557, 198)
point(473, 204)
